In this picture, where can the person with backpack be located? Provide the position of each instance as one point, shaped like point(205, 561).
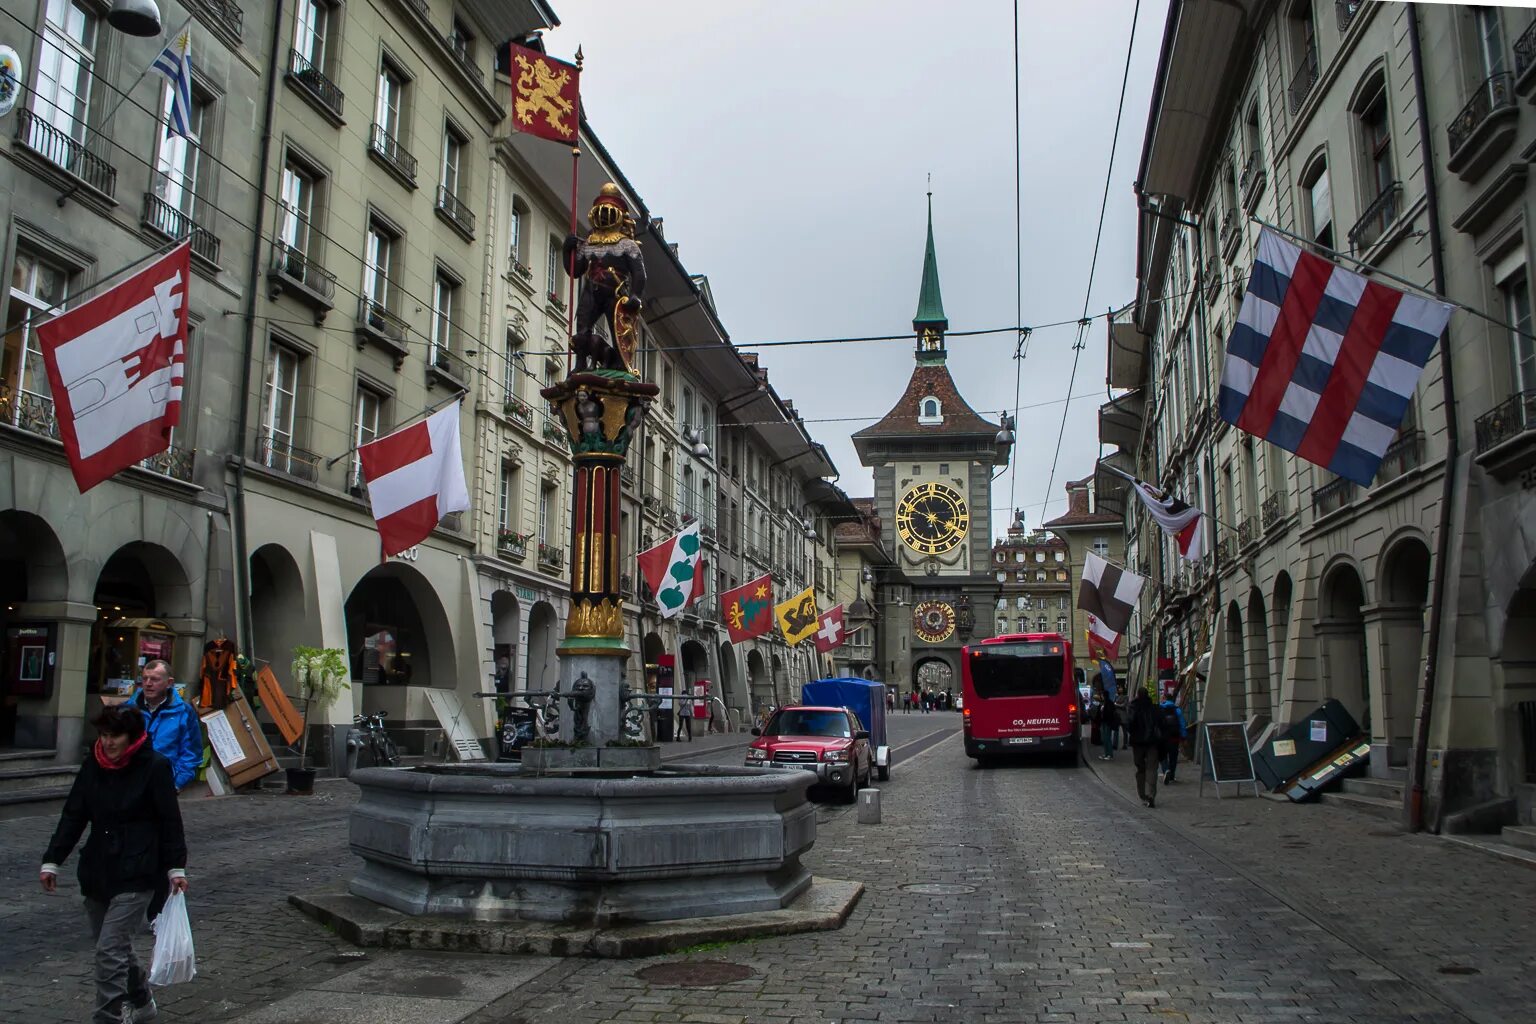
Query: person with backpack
point(1146, 734)
point(1171, 720)
point(1109, 727)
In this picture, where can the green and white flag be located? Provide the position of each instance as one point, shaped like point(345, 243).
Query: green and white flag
point(674, 571)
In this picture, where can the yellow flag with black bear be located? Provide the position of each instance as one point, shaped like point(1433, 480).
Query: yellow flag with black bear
point(797, 616)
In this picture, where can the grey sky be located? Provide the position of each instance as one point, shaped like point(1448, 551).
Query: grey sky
point(787, 145)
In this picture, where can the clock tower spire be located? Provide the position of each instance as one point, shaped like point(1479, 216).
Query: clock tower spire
point(930, 323)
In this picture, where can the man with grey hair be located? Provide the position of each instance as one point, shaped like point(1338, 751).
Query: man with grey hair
point(170, 721)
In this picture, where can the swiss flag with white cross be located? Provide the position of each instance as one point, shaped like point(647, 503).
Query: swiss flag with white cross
point(829, 629)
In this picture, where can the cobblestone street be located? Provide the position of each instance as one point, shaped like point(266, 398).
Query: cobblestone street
point(1051, 896)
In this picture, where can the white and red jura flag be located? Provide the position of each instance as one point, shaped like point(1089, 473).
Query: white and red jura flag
point(115, 367)
point(829, 629)
point(415, 477)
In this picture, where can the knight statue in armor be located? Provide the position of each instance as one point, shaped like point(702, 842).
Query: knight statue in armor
point(611, 269)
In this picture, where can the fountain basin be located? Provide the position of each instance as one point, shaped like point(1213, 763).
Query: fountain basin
point(491, 843)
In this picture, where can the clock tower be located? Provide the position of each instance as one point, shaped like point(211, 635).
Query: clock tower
point(933, 458)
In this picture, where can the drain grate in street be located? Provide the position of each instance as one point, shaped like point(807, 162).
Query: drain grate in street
point(938, 888)
point(695, 973)
point(1459, 969)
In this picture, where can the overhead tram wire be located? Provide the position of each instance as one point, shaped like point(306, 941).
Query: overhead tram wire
point(1086, 321)
point(1018, 252)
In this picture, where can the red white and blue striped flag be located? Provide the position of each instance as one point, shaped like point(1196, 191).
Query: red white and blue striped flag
point(1323, 361)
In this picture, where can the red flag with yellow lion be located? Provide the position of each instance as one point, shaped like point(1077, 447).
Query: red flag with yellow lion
point(546, 100)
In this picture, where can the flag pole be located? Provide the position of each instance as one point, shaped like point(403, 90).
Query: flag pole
point(400, 426)
point(570, 308)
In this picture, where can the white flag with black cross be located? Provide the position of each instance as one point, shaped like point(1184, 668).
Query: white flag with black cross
point(1109, 593)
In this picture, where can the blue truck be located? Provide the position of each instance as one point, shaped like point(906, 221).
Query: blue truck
point(865, 699)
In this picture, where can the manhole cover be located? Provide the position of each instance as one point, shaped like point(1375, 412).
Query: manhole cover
point(695, 973)
point(938, 888)
point(1459, 969)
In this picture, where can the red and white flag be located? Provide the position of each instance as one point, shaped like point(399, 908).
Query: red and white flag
point(415, 477)
point(1103, 642)
point(115, 367)
point(829, 629)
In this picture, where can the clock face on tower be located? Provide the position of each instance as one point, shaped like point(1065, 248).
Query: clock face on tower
point(933, 621)
point(932, 518)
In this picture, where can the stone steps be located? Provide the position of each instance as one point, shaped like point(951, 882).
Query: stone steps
point(1522, 855)
point(33, 782)
point(1380, 789)
point(1376, 807)
point(1522, 836)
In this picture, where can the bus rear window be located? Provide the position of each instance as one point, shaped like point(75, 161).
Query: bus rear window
point(1017, 670)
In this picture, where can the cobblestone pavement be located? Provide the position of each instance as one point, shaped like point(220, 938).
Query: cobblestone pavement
point(1074, 904)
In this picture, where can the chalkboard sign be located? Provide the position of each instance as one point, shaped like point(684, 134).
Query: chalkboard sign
point(1226, 755)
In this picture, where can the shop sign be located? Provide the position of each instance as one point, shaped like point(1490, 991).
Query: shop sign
point(410, 554)
point(526, 593)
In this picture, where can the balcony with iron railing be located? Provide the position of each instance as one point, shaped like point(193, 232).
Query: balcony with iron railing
point(311, 83)
point(464, 56)
point(165, 219)
point(1525, 59)
point(226, 15)
point(1333, 496)
point(392, 156)
point(69, 154)
point(33, 413)
point(285, 457)
point(1405, 453)
point(1273, 511)
point(518, 411)
point(293, 269)
point(1211, 278)
point(554, 432)
point(1303, 80)
point(1250, 184)
point(628, 478)
point(378, 326)
point(446, 365)
point(174, 462)
point(1378, 216)
point(1484, 128)
point(1346, 11)
point(511, 544)
point(1247, 531)
point(1231, 234)
point(455, 212)
point(1506, 436)
point(1226, 547)
point(551, 557)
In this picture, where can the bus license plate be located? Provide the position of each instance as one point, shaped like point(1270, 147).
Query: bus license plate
point(1022, 739)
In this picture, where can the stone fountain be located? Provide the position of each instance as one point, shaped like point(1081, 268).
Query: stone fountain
point(590, 846)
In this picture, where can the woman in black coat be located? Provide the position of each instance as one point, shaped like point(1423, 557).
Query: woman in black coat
point(135, 857)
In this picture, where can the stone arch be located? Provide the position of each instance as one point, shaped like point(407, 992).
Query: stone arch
point(542, 668)
point(1516, 701)
point(505, 627)
point(33, 568)
point(1280, 620)
point(32, 562)
point(394, 604)
point(151, 575)
point(1260, 700)
point(935, 673)
point(1340, 629)
point(730, 686)
point(780, 678)
point(280, 611)
point(1237, 678)
point(759, 682)
point(1403, 585)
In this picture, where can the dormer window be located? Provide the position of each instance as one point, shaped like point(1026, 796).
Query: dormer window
point(929, 412)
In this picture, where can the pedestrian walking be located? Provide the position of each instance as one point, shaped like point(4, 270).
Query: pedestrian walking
point(1109, 728)
point(134, 858)
point(170, 722)
point(1171, 721)
point(1146, 732)
point(685, 718)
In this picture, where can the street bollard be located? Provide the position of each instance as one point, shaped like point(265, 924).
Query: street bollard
point(869, 807)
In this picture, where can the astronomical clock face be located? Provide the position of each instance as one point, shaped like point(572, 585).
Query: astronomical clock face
point(933, 621)
point(932, 519)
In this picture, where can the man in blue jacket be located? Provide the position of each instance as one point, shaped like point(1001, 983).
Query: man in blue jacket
point(1174, 732)
point(171, 722)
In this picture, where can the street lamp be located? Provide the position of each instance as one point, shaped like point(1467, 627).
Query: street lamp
point(1005, 434)
point(135, 17)
point(694, 438)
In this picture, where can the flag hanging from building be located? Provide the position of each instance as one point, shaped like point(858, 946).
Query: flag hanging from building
point(1102, 642)
point(1323, 361)
point(1109, 593)
point(748, 609)
point(798, 617)
point(415, 477)
point(115, 369)
point(546, 97)
point(674, 571)
point(1180, 521)
point(829, 629)
point(175, 63)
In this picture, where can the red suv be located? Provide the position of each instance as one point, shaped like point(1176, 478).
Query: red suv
point(828, 741)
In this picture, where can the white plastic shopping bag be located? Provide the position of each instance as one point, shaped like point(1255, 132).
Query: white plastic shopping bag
point(174, 960)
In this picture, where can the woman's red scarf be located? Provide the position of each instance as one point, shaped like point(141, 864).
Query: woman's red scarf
point(122, 762)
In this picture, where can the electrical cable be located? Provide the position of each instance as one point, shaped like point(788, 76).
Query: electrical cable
point(1018, 254)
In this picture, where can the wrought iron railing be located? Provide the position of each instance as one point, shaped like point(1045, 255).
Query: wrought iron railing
point(422, 8)
point(558, 301)
point(228, 13)
point(444, 359)
point(298, 266)
point(1525, 50)
point(1333, 496)
point(388, 149)
point(459, 47)
point(302, 72)
point(62, 148)
point(1510, 418)
point(174, 462)
point(1377, 217)
point(1403, 454)
point(1346, 10)
point(286, 457)
point(450, 206)
point(35, 413)
point(556, 432)
point(1303, 80)
point(1251, 182)
point(518, 411)
point(376, 317)
point(1231, 232)
point(1247, 531)
point(1273, 510)
point(551, 556)
point(173, 223)
point(628, 477)
point(512, 544)
point(1226, 547)
point(1496, 93)
point(1212, 277)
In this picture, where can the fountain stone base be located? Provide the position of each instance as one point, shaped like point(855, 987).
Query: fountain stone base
point(494, 843)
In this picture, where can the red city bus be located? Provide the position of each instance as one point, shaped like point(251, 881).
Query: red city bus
point(1019, 697)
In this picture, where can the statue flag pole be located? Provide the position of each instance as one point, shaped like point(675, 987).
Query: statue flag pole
point(570, 307)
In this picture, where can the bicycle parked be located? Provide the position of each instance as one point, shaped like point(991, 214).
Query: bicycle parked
point(368, 733)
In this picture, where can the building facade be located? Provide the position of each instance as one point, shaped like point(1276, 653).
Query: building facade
point(1395, 135)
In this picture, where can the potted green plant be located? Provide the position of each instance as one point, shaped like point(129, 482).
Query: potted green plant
point(320, 673)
